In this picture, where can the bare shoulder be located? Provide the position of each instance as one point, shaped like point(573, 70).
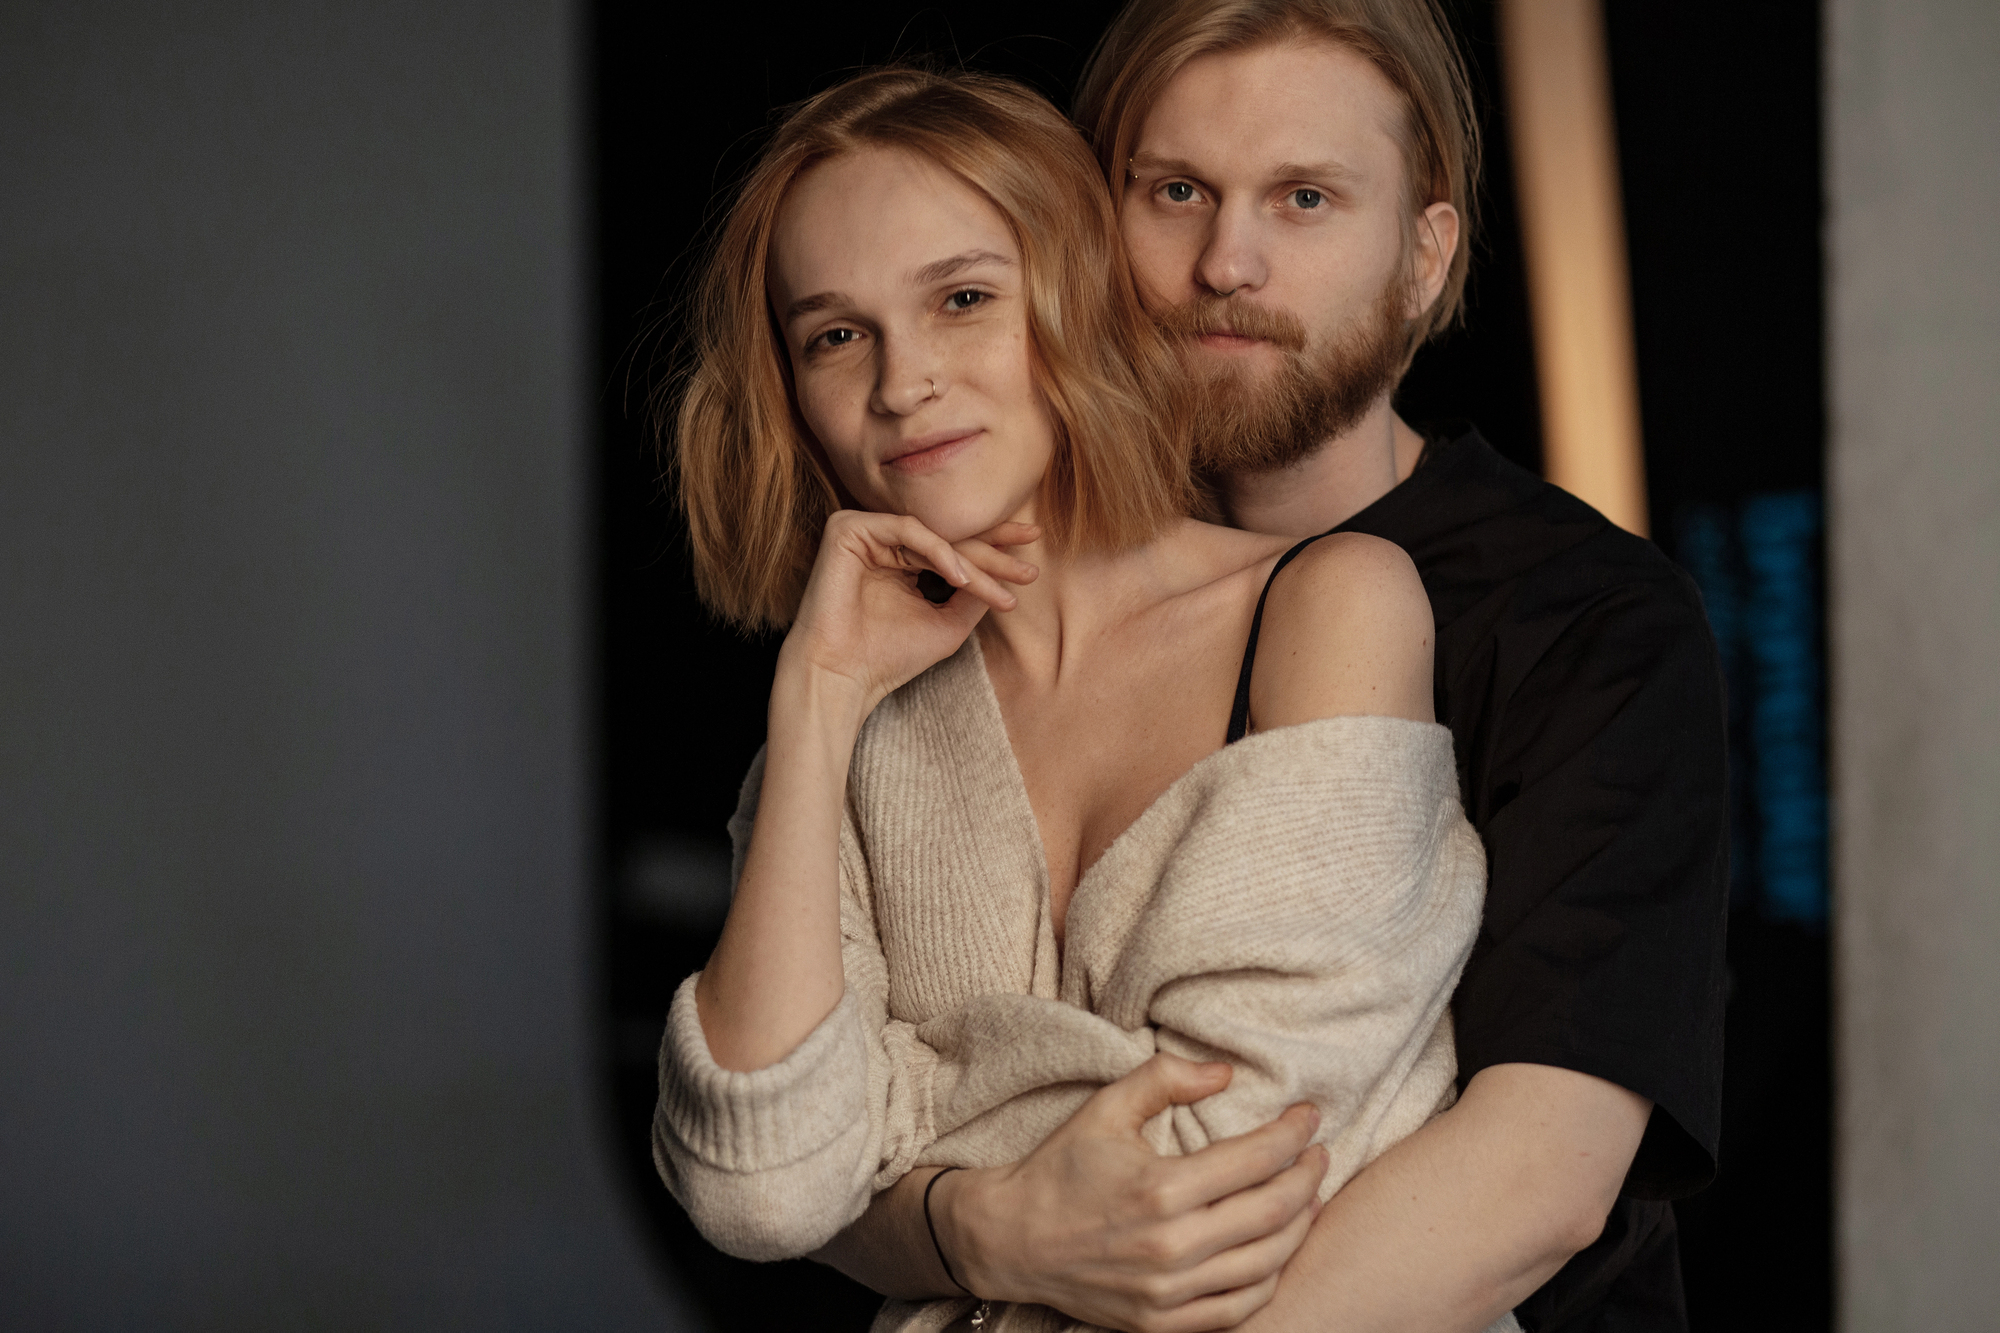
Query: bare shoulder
point(1347, 631)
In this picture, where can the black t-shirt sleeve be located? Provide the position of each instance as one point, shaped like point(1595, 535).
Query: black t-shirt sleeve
point(1602, 803)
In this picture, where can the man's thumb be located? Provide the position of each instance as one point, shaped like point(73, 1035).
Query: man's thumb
point(1163, 1081)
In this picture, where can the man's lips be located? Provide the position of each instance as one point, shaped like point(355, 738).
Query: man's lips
point(928, 453)
point(1223, 338)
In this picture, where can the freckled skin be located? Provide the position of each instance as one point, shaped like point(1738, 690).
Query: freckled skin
point(897, 357)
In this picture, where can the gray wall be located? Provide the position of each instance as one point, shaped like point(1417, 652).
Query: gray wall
point(1913, 104)
point(295, 1006)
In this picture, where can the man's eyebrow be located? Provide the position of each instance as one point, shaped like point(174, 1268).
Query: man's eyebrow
point(1173, 166)
point(939, 270)
point(806, 305)
point(1321, 171)
point(1287, 171)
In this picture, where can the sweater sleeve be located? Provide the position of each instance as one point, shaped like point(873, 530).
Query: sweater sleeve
point(1309, 928)
point(1301, 907)
point(772, 1163)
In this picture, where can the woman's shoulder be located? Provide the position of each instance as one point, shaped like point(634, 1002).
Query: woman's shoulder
point(1205, 555)
point(1352, 570)
point(1347, 629)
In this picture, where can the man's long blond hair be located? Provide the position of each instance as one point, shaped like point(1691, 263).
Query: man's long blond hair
point(1409, 41)
point(755, 485)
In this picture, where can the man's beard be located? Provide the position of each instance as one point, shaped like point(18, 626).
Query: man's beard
point(1242, 424)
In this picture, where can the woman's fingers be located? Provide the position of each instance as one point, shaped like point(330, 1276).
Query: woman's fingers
point(975, 566)
point(1004, 565)
point(1011, 533)
point(908, 544)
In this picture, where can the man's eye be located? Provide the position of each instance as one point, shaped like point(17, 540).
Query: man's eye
point(964, 300)
point(1307, 198)
point(1180, 192)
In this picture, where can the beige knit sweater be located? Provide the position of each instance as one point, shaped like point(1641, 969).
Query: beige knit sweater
point(1299, 904)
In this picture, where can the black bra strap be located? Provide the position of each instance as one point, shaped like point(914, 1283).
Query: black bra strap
point(1239, 716)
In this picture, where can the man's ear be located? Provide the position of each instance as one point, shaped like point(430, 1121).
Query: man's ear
point(1437, 242)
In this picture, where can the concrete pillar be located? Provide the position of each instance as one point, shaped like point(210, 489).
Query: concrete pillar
point(1913, 106)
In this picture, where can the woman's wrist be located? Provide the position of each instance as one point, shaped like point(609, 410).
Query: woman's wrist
point(808, 700)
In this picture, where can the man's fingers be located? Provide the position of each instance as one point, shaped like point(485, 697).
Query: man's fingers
point(1257, 1213)
point(1223, 1310)
point(1225, 1168)
point(1163, 1081)
point(1272, 1223)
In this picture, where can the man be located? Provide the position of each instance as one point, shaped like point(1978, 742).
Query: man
point(1293, 179)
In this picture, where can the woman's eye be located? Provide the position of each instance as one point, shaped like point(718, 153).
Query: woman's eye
point(835, 338)
point(1307, 198)
point(964, 300)
point(1180, 192)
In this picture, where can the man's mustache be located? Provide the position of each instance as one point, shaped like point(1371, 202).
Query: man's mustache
point(1229, 315)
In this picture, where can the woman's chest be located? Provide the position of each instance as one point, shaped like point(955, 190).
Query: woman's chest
point(1092, 759)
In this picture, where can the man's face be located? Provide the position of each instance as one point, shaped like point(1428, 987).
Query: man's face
point(1264, 214)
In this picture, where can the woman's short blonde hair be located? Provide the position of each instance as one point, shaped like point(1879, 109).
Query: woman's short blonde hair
point(755, 485)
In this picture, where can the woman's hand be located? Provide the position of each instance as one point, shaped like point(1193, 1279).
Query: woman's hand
point(863, 619)
point(863, 629)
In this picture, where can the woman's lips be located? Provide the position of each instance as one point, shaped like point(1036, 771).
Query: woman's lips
point(928, 454)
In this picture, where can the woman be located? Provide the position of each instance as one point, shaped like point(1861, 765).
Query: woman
point(996, 852)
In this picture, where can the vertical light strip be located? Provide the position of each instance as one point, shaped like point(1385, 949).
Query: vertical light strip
point(1573, 229)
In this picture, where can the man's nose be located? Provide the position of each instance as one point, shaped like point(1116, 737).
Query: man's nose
point(1233, 259)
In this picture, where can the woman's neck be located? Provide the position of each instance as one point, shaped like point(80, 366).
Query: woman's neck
point(1071, 602)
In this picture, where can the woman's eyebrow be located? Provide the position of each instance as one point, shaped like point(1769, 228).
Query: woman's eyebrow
point(940, 269)
point(935, 271)
point(806, 305)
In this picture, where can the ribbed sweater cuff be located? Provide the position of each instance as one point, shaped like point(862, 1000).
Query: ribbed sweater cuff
point(764, 1118)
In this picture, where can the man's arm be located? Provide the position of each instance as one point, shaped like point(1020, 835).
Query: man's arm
point(1096, 1224)
point(1466, 1218)
point(1446, 1231)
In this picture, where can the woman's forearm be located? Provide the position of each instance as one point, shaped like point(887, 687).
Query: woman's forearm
point(776, 972)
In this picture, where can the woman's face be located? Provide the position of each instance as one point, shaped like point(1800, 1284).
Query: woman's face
point(899, 292)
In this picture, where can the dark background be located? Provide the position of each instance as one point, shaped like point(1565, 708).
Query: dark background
point(1718, 130)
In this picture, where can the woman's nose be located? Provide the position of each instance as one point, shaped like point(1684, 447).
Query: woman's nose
point(907, 381)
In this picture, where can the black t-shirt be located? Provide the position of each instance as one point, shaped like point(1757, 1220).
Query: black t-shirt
point(1578, 677)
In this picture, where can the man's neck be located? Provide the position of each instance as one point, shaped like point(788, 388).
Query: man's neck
point(1334, 483)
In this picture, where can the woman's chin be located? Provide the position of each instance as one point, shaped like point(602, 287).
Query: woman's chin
point(955, 523)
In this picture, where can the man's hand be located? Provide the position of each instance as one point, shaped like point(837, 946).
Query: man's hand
point(1097, 1225)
